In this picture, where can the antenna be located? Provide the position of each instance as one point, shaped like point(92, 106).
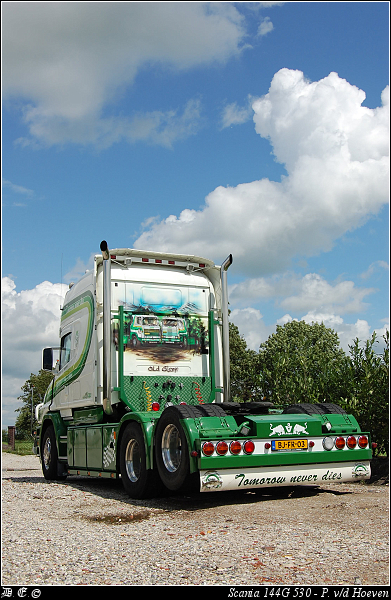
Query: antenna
point(61, 277)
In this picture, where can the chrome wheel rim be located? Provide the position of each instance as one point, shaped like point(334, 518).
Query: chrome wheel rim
point(133, 461)
point(171, 448)
point(47, 453)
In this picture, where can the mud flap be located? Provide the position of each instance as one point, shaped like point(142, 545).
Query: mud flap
point(62, 470)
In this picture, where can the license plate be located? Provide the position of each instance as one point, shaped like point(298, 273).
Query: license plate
point(289, 444)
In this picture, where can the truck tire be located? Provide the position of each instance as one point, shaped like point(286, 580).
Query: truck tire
point(49, 456)
point(332, 409)
point(211, 410)
point(304, 408)
point(171, 448)
point(314, 409)
point(138, 481)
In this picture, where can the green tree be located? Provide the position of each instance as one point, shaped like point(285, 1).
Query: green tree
point(302, 363)
point(367, 398)
point(243, 366)
point(34, 388)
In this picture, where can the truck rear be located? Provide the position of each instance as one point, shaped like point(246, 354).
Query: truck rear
point(142, 390)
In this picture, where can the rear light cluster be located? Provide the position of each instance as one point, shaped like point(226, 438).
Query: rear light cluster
point(222, 448)
point(340, 442)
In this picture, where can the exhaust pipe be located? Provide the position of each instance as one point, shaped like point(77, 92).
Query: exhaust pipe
point(106, 329)
point(224, 311)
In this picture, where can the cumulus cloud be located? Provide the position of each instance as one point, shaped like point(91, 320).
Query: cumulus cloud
point(299, 294)
point(374, 268)
point(265, 26)
point(30, 322)
point(67, 62)
point(310, 298)
point(336, 155)
point(233, 114)
point(255, 331)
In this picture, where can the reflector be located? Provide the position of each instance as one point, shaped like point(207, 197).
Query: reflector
point(155, 406)
point(249, 447)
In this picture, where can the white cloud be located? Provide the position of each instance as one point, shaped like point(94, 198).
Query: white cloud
point(252, 326)
point(233, 114)
point(336, 156)
point(265, 26)
point(79, 269)
point(255, 331)
point(375, 267)
point(299, 294)
point(30, 322)
point(67, 62)
point(17, 189)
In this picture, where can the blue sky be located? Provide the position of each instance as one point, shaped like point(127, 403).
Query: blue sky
point(259, 129)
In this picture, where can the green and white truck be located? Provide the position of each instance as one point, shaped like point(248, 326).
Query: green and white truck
point(159, 416)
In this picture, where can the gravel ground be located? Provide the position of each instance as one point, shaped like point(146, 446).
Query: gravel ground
point(89, 532)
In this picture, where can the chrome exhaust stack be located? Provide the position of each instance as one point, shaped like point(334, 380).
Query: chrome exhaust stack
point(224, 311)
point(106, 329)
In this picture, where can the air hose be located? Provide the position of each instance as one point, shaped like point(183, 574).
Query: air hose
point(149, 396)
point(198, 392)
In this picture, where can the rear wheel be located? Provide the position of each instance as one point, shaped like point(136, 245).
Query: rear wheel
point(211, 410)
point(314, 409)
point(304, 409)
point(138, 481)
point(172, 451)
point(49, 456)
point(333, 408)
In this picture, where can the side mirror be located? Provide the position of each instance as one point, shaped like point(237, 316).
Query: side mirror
point(47, 359)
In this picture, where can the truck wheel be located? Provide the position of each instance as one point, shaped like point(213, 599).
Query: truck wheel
point(211, 410)
point(304, 408)
point(332, 408)
point(172, 452)
point(135, 342)
point(138, 481)
point(49, 455)
point(314, 409)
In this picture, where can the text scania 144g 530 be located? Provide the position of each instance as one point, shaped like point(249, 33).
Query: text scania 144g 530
point(141, 390)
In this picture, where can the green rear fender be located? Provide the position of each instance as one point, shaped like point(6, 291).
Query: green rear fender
point(54, 420)
point(147, 425)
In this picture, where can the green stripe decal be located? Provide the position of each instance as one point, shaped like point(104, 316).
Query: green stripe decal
point(85, 300)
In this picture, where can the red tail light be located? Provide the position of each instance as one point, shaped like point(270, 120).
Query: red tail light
point(235, 447)
point(351, 442)
point(155, 406)
point(363, 441)
point(222, 448)
point(208, 448)
point(249, 447)
point(340, 443)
